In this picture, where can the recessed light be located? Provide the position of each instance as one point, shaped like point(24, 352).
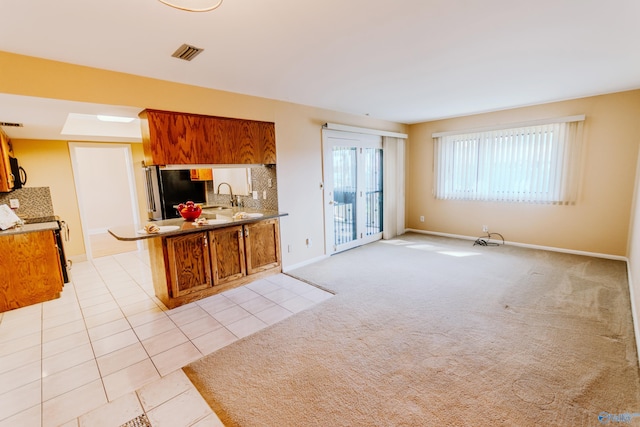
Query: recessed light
point(118, 119)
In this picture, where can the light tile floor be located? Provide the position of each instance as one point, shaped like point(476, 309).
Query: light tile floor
point(108, 351)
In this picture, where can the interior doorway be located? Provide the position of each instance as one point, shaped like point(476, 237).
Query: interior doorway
point(353, 189)
point(105, 185)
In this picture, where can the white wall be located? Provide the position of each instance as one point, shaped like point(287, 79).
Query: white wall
point(104, 191)
point(634, 256)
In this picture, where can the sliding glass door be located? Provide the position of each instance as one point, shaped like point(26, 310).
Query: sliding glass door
point(353, 189)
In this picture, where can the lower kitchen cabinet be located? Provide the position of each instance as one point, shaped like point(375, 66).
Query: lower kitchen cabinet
point(227, 254)
point(195, 265)
point(262, 240)
point(188, 262)
point(32, 272)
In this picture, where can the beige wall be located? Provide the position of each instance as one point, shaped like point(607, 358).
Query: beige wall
point(48, 164)
point(298, 137)
point(598, 223)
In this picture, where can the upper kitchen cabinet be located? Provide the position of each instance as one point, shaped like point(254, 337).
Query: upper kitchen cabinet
point(7, 179)
point(172, 138)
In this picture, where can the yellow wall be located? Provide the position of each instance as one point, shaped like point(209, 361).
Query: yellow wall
point(298, 137)
point(598, 223)
point(48, 164)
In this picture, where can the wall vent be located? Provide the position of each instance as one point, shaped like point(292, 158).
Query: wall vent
point(187, 52)
point(15, 125)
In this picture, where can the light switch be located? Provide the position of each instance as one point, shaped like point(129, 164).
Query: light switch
point(264, 194)
point(14, 203)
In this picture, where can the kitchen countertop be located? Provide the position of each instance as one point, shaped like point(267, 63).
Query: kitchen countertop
point(136, 231)
point(30, 228)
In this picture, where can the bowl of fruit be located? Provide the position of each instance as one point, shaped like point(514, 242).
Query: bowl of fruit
point(189, 210)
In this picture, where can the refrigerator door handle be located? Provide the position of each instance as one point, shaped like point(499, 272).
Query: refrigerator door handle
point(152, 187)
point(151, 202)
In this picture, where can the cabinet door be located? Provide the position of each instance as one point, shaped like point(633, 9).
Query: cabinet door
point(232, 141)
point(32, 273)
point(227, 254)
point(6, 178)
point(170, 138)
point(262, 245)
point(220, 141)
point(188, 263)
point(180, 138)
point(267, 136)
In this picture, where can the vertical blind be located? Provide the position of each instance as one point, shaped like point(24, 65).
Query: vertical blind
point(532, 164)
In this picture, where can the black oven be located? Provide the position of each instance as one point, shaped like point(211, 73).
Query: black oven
point(63, 231)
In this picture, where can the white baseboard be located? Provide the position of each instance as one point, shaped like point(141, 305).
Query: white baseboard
point(303, 263)
point(526, 245)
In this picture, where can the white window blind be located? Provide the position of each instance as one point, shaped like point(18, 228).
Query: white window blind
point(532, 164)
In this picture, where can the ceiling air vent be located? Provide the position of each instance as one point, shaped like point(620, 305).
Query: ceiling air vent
point(15, 125)
point(187, 52)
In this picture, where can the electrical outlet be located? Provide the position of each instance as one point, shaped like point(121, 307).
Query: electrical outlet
point(485, 228)
point(421, 218)
point(264, 194)
point(14, 203)
point(269, 183)
point(255, 195)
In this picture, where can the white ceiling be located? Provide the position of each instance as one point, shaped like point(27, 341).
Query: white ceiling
point(407, 61)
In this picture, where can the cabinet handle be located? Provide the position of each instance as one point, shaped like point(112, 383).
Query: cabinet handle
point(246, 232)
point(205, 240)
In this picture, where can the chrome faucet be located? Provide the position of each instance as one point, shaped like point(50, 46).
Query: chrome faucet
point(233, 200)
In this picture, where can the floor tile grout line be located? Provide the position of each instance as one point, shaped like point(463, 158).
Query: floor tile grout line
point(104, 281)
point(84, 320)
point(130, 325)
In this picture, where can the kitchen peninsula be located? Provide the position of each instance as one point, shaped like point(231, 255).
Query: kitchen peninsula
point(191, 261)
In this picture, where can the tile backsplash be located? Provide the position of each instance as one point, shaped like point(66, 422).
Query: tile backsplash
point(261, 177)
point(35, 202)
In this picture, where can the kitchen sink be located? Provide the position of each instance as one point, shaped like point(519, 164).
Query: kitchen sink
point(217, 212)
point(215, 208)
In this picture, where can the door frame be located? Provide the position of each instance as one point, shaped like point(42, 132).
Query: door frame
point(128, 157)
point(335, 138)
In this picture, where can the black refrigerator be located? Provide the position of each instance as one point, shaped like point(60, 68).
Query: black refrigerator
point(167, 188)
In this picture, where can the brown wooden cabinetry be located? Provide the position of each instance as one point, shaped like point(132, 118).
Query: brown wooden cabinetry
point(188, 262)
point(31, 270)
point(227, 252)
point(262, 245)
point(181, 138)
point(7, 179)
point(192, 266)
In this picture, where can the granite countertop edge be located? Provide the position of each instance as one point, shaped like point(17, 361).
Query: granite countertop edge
point(130, 232)
point(30, 228)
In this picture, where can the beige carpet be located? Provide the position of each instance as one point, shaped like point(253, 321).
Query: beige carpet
point(435, 332)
